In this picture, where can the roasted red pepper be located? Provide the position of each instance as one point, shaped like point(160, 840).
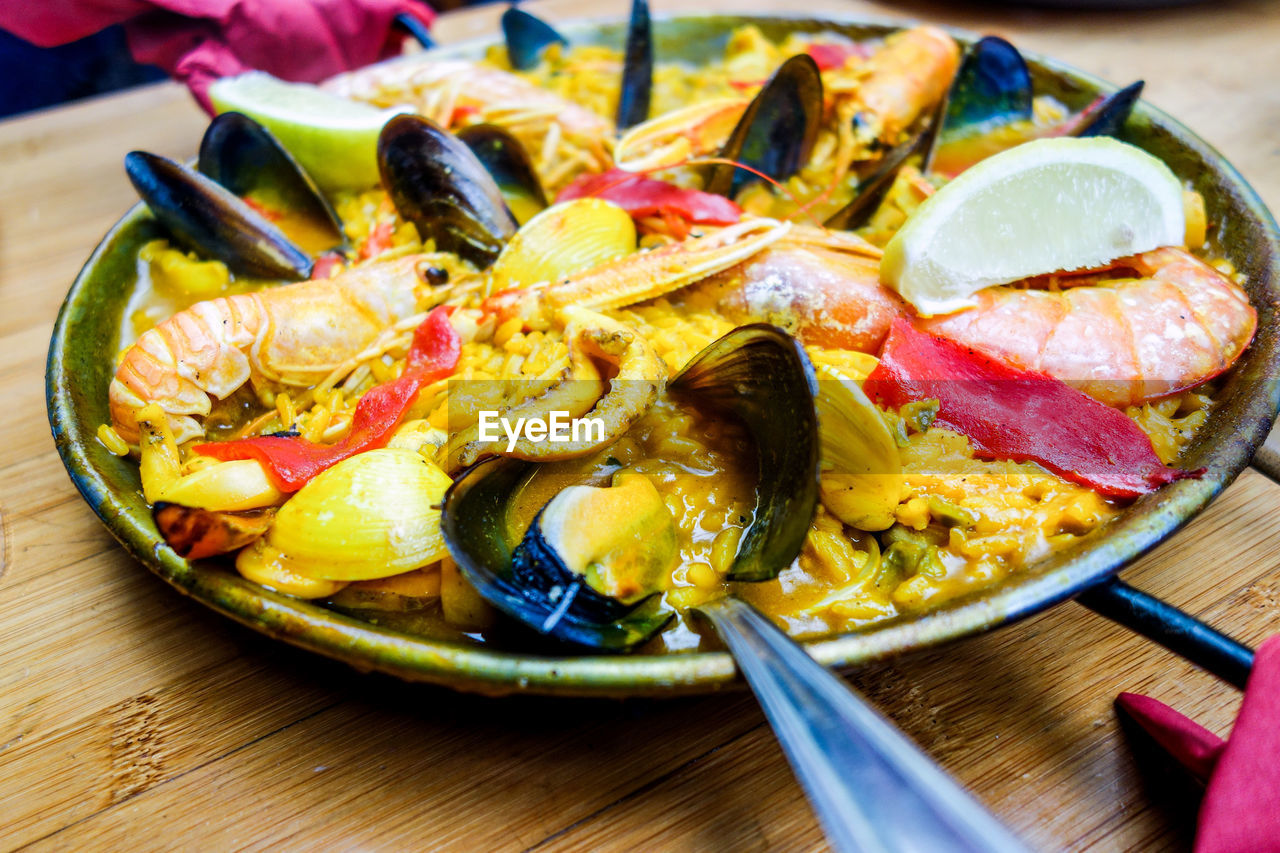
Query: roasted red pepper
point(290, 461)
point(829, 56)
point(641, 196)
point(1010, 413)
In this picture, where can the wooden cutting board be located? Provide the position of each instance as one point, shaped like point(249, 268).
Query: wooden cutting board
point(133, 718)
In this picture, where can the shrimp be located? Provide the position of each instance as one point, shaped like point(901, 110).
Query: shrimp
point(1177, 323)
point(295, 334)
point(869, 105)
point(457, 93)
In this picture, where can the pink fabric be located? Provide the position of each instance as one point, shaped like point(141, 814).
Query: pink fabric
point(1241, 808)
point(1195, 747)
point(198, 41)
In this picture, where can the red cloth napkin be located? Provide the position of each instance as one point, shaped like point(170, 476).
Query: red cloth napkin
point(1241, 808)
point(198, 41)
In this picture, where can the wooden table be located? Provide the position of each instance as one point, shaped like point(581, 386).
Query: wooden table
point(131, 717)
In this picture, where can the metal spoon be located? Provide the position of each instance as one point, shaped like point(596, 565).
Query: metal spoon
point(871, 787)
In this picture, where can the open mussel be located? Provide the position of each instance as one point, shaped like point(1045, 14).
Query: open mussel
point(989, 108)
point(538, 590)
point(527, 37)
point(438, 184)
point(507, 162)
point(245, 182)
point(209, 219)
point(776, 133)
point(588, 567)
point(761, 374)
point(248, 160)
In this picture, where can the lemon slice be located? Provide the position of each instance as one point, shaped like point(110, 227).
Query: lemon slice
point(1044, 206)
point(333, 138)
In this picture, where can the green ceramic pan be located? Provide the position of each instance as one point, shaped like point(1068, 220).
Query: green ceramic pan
point(79, 371)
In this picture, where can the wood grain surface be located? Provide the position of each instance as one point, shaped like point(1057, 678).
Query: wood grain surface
point(131, 718)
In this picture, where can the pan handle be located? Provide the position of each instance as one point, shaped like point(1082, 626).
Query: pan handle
point(416, 29)
point(1177, 631)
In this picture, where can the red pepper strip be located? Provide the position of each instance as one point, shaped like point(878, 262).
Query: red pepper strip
point(829, 56)
point(1010, 413)
point(379, 241)
point(641, 197)
point(327, 264)
point(290, 461)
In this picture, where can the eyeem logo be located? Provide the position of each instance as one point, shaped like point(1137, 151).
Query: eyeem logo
point(559, 427)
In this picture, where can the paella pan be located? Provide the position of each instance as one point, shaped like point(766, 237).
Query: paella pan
point(879, 569)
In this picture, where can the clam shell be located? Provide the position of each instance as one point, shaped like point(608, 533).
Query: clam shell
point(564, 239)
point(373, 515)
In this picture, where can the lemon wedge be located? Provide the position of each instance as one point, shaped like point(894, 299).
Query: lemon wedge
point(333, 138)
point(1044, 206)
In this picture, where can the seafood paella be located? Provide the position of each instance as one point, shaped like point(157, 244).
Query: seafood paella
point(616, 336)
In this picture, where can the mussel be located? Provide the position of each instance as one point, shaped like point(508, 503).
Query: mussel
point(776, 133)
point(438, 184)
point(247, 159)
point(989, 108)
point(221, 208)
point(588, 568)
point(212, 221)
point(507, 162)
point(637, 68)
point(527, 37)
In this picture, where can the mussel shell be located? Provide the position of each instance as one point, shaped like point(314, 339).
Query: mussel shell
point(506, 161)
point(778, 129)
point(1108, 116)
point(474, 524)
point(527, 36)
point(637, 68)
point(245, 157)
point(212, 221)
point(762, 375)
point(441, 187)
point(872, 189)
point(993, 84)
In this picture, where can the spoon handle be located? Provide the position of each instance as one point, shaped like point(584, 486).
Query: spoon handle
point(872, 788)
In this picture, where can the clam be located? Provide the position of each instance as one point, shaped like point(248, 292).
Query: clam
point(212, 221)
point(372, 515)
point(564, 239)
point(247, 159)
point(439, 185)
point(527, 37)
point(587, 568)
point(777, 131)
point(507, 162)
point(861, 479)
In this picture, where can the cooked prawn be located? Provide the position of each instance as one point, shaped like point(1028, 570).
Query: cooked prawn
point(291, 335)
point(1176, 324)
